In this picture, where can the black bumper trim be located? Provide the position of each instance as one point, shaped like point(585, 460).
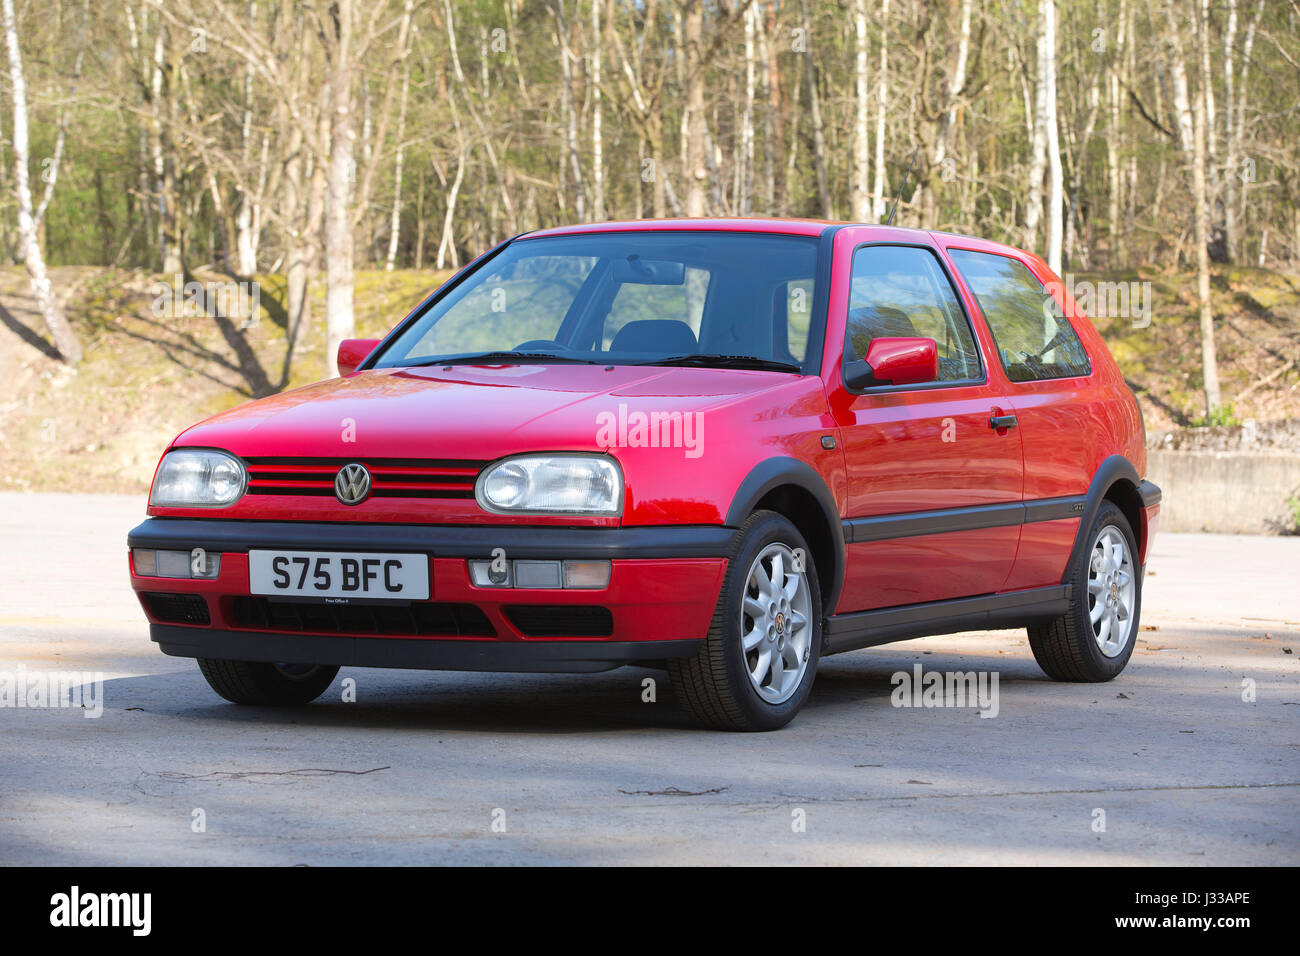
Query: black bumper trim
point(1150, 494)
point(444, 541)
point(550, 657)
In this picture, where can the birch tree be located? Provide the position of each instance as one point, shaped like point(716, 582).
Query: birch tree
point(1192, 134)
point(861, 150)
point(65, 340)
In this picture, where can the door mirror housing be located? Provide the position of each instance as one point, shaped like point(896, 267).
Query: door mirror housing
point(352, 352)
point(894, 361)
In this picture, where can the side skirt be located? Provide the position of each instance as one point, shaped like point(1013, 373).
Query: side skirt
point(988, 612)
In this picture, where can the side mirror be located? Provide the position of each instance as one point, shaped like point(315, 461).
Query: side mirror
point(352, 352)
point(894, 361)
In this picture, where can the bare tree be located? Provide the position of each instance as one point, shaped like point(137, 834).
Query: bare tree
point(65, 340)
point(1192, 134)
point(861, 150)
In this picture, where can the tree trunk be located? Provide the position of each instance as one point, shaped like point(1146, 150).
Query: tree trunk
point(339, 317)
point(697, 172)
point(164, 177)
point(1055, 188)
point(597, 118)
point(1192, 139)
point(879, 185)
point(65, 340)
point(395, 224)
point(861, 147)
point(815, 116)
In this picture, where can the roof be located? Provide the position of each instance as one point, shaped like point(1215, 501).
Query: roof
point(795, 227)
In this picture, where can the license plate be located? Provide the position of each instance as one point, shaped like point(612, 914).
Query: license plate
point(335, 575)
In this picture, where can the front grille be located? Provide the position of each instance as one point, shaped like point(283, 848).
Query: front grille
point(177, 608)
point(561, 620)
point(417, 619)
point(389, 477)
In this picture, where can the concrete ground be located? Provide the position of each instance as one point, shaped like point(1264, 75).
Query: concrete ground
point(1166, 765)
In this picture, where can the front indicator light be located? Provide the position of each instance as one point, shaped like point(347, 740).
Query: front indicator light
point(586, 574)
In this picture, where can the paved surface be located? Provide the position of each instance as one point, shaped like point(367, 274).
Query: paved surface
point(581, 770)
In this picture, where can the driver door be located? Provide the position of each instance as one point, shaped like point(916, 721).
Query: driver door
point(933, 508)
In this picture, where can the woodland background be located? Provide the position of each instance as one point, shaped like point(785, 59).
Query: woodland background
point(343, 156)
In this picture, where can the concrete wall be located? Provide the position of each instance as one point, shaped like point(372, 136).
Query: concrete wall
point(1225, 492)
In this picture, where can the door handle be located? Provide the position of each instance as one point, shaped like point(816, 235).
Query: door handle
point(998, 422)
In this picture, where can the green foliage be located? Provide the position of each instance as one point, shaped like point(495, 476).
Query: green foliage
point(1223, 415)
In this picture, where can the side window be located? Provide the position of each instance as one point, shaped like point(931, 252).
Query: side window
point(901, 291)
point(1035, 341)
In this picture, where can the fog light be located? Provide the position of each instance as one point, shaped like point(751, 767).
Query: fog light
point(539, 574)
point(198, 563)
point(586, 574)
point(205, 564)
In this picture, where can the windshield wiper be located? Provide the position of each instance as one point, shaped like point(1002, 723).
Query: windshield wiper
point(503, 358)
point(726, 361)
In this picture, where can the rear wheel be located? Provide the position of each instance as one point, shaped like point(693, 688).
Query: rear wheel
point(757, 665)
point(254, 682)
point(1094, 639)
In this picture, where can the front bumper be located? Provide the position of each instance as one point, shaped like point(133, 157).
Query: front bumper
point(661, 596)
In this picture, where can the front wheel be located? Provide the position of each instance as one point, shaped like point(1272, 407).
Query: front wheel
point(757, 665)
point(1094, 639)
point(253, 682)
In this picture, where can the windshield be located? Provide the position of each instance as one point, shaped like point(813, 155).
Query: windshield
point(626, 298)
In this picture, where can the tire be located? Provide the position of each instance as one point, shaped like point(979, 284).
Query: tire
point(271, 685)
point(715, 686)
point(1072, 647)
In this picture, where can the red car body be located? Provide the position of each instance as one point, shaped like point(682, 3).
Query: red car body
point(924, 513)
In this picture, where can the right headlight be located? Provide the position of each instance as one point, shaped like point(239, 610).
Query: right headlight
point(198, 478)
point(552, 484)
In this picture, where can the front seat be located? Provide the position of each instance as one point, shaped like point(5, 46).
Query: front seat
point(668, 336)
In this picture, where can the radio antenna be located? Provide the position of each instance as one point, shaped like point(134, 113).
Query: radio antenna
point(902, 186)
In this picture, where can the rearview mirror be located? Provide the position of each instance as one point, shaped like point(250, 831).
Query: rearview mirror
point(352, 352)
point(638, 271)
point(894, 361)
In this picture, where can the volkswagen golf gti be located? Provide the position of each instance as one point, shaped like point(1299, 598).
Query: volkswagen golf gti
point(724, 448)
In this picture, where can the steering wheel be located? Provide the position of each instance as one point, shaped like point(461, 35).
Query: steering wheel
point(545, 345)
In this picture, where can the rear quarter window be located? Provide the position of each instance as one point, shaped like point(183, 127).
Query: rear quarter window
point(1034, 339)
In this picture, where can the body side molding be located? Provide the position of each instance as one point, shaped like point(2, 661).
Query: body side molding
point(945, 520)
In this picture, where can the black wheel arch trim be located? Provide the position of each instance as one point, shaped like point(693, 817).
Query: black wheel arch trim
point(772, 473)
point(1114, 469)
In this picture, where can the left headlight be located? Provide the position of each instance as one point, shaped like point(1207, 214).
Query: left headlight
point(198, 478)
point(552, 484)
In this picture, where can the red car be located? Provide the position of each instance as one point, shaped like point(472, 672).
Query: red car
point(723, 447)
